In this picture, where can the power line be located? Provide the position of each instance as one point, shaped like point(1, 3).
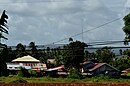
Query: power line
point(88, 30)
point(106, 42)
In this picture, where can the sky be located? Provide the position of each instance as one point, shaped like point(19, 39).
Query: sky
point(50, 21)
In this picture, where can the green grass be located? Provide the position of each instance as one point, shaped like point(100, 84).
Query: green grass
point(61, 80)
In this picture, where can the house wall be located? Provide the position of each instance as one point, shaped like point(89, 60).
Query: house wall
point(32, 66)
point(105, 69)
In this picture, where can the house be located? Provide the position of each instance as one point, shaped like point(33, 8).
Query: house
point(94, 69)
point(13, 66)
point(27, 62)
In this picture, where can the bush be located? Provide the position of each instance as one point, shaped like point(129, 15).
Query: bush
point(51, 73)
point(23, 72)
point(19, 80)
point(74, 74)
point(32, 73)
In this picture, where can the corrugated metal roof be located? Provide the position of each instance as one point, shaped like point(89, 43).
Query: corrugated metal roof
point(56, 68)
point(97, 65)
point(26, 59)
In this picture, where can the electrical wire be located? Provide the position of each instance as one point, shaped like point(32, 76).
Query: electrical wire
point(104, 43)
point(87, 30)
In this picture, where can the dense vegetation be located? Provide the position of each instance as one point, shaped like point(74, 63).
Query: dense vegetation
point(69, 55)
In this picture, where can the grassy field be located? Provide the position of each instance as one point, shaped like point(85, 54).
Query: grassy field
point(10, 79)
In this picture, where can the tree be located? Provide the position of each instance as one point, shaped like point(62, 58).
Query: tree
point(4, 51)
point(34, 50)
point(3, 26)
point(122, 63)
point(48, 51)
point(70, 39)
point(32, 46)
point(3, 58)
point(74, 74)
point(11, 55)
point(20, 50)
point(57, 53)
point(105, 55)
point(121, 52)
point(73, 54)
point(126, 28)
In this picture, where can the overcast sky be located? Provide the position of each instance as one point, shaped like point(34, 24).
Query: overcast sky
point(48, 21)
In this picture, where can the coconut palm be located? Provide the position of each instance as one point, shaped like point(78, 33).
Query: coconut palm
point(3, 26)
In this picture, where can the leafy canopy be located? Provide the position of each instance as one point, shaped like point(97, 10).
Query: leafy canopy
point(73, 54)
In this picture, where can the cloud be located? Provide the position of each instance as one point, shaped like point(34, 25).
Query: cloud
point(47, 22)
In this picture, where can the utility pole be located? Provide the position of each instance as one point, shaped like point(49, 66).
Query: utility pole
point(82, 27)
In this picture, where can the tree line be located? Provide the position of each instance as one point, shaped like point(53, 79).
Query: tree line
point(71, 55)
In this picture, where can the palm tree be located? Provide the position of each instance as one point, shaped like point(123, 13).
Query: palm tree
point(3, 26)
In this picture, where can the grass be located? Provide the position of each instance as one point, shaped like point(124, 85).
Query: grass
point(61, 80)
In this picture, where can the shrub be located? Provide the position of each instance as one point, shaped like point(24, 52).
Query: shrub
point(23, 72)
point(51, 73)
point(74, 74)
point(32, 73)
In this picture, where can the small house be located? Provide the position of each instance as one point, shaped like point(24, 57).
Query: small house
point(28, 62)
point(94, 69)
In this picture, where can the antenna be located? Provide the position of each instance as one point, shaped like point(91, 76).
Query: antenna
point(82, 27)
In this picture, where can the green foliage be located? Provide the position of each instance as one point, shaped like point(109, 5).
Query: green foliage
point(20, 47)
point(33, 50)
point(103, 79)
point(19, 80)
point(51, 73)
point(33, 47)
point(32, 73)
point(127, 52)
point(100, 78)
point(105, 55)
point(126, 27)
point(73, 54)
point(3, 26)
point(122, 63)
point(3, 66)
point(74, 74)
point(23, 72)
point(20, 50)
point(57, 54)
point(43, 57)
point(128, 74)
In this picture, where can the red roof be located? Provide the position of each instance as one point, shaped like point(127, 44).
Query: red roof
point(97, 65)
point(56, 68)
